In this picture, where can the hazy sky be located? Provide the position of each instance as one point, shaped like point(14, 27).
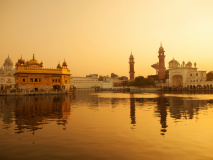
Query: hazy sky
point(97, 36)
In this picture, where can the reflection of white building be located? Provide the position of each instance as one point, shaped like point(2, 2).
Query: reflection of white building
point(184, 74)
point(7, 73)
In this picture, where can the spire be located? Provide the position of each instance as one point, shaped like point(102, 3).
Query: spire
point(131, 56)
point(161, 49)
point(64, 63)
point(131, 65)
point(33, 56)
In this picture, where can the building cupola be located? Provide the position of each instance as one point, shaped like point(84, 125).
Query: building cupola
point(64, 64)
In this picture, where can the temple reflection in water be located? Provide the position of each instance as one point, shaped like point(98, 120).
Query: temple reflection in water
point(32, 112)
point(178, 108)
point(175, 107)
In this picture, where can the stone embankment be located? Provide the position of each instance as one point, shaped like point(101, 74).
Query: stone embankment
point(7, 93)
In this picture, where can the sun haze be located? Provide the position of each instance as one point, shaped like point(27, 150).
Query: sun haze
point(97, 36)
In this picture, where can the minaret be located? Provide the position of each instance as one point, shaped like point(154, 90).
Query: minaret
point(131, 68)
point(162, 69)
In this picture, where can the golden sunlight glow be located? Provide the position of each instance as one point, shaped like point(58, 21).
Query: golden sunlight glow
point(97, 36)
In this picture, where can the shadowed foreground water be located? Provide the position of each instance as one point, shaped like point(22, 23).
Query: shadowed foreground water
point(88, 125)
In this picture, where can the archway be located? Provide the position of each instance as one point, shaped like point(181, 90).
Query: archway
point(56, 88)
point(207, 87)
point(199, 86)
point(177, 81)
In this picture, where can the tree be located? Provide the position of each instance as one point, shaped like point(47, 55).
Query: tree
point(140, 81)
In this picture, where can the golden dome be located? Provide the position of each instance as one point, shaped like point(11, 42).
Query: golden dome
point(58, 66)
point(34, 62)
point(21, 61)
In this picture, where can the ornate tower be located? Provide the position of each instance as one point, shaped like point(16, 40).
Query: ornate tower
point(162, 69)
point(131, 68)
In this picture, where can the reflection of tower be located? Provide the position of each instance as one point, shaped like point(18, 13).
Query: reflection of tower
point(163, 113)
point(132, 111)
point(162, 68)
point(131, 68)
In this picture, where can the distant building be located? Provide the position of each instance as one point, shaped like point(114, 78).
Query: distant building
point(105, 85)
point(131, 68)
point(116, 80)
point(7, 71)
point(113, 75)
point(185, 75)
point(90, 81)
point(93, 81)
point(178, 76)
point(31, 76)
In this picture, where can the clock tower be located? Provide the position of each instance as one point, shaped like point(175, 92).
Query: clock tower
point(162, 69)
point(131, 68)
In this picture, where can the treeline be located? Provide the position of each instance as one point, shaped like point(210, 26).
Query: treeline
point(140, 81)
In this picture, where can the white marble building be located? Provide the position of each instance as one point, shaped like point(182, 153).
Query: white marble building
point(184, 74)
point(7, 78)
point(84, 82)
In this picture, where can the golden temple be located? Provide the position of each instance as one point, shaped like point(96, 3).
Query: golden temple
point(31, 76)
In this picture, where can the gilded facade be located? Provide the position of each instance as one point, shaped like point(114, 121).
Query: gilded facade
point(31, 76)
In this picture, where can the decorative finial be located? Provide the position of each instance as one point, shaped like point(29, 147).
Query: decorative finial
point(33, 56)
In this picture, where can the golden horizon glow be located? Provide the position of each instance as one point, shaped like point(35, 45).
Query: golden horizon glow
point(97, 36)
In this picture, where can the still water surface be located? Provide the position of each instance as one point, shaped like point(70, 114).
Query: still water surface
point(88, 125)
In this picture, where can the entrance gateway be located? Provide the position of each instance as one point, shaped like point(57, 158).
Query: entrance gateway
point(177, 81)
